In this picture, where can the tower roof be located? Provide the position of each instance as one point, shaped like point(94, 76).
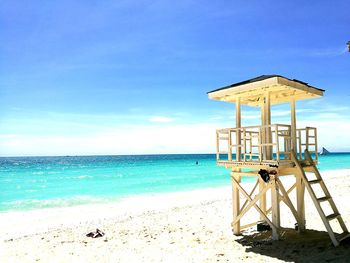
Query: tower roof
point(252, 91)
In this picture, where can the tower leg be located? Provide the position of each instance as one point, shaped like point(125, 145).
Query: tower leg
point(235, 205)
point(300, 188)
point(275, 208)
point(262, 201)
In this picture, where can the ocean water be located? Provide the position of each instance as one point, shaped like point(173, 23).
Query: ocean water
point(41, 182)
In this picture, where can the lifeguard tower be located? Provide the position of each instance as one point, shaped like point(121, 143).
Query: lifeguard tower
point(269, 151)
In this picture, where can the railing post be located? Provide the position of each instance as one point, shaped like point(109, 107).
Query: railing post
point(229, 142)
point(277, 143)
point(316, 147)
point(306, 138)
point(217, 146)
point(300, 142)
point(260, 135)
point(244, 144)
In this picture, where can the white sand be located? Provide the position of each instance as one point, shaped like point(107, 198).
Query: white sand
point(191, 226)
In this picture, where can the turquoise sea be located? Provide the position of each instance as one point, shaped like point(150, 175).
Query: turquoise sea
point(41, 182)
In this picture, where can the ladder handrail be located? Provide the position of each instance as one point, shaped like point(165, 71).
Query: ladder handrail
point(316, 200)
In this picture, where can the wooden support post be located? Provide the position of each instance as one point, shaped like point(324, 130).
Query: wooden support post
point(300, 188)
point(268, 122)
point(238, 125)
point(265, 120)
point(266, 130)
point(275, 208)
point(293, 125)
point(262, 201)
point(235, 203)
point(262, 133)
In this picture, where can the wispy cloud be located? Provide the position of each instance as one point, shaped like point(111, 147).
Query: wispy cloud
point(161, 119)
point(153, 139)
point(329, 52)
point(7, 136)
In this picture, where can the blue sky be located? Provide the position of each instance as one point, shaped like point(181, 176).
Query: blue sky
point(123, 77)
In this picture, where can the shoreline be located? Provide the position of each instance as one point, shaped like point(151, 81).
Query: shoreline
point(112, 200)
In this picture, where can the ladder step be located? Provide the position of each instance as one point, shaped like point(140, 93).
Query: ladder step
point(332, 216)
point(315, 181)
point(306, 164)
point(342, 236)
point(323, 199)
point(308, 161)
point(223, 138)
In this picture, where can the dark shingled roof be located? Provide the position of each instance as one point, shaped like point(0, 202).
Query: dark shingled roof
point(262, 77)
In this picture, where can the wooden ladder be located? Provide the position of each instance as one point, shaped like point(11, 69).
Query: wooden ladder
point(336, 238)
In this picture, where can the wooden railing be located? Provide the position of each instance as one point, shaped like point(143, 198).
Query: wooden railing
point(307, 140)
point(262, 143)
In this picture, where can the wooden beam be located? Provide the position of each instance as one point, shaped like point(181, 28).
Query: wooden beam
point(249, 225)
point(255, 206)
point(287, 201)
point(281, 198)
point(251, 192)
point(276, 83)
point(252, 202)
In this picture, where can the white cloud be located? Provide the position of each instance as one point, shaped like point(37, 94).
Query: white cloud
point(7, 136)
point(151, 139)
point(161, 119)
point(331, 133)
point(143, 139)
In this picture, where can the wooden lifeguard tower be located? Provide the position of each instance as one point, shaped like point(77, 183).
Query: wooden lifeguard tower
point(269, 151)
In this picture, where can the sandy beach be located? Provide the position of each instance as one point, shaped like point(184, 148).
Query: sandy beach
point(192, 226)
